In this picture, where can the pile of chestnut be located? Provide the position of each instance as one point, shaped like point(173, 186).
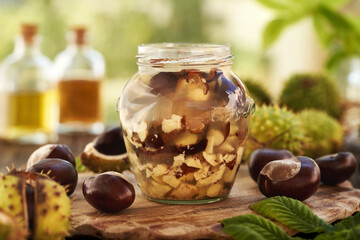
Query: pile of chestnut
point(108, 192)
point(280, 173)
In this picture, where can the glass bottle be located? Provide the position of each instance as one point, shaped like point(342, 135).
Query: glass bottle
point(80, 70)
point(27, 92)
point(185, 118)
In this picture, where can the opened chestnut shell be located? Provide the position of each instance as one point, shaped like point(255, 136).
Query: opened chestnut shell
point(260, 157)
point(109, 192)
point(297, 177)
point(106, 153)
point(51, 151)
point(336, 168)
point(60, 170)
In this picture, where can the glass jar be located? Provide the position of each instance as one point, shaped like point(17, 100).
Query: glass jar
point(80, 71)
point(185, 118)
point(28, 105)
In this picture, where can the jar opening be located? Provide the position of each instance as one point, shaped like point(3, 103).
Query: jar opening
point(184, 54)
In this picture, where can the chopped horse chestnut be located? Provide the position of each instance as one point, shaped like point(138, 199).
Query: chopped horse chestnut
point(336, 168)
point(51, 151)
point(109, 192)
point(260, 157)
point(297, 177)
point(60, 170)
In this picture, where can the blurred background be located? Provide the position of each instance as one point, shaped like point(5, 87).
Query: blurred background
point(116, 28)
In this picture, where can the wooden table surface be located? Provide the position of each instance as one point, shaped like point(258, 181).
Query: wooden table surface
point(149, 220)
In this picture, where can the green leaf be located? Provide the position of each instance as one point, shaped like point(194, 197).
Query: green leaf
point(292, 213)
point(348, 223)
point(79, 166)
point(348, 234)
point(276, 4)
point(325, 32)
point(253, 227)
point(334, 3)
point(274, 28)
point(336, 19)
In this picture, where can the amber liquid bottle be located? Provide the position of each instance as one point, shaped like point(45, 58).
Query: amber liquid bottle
point(27, 94)
point(80, 72)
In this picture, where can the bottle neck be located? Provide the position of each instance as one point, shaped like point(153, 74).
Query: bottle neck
point(24, 48)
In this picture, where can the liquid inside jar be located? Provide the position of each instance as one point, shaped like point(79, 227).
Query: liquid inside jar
point(185, 133)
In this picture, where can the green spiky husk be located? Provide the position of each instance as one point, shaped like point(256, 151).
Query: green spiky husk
point(12, 201)
point(257, 92)
point(310, 91)
point(52, 211)
point(275, 127)
point(324, 133)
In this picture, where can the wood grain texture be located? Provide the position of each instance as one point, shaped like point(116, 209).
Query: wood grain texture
point(149, 220)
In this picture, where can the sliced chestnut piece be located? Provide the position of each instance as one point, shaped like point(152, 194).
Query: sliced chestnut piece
point(60, 170)
point(260, 157)
point(336, 168)
point(51, 151)
point(297, 177)
point(109, 192)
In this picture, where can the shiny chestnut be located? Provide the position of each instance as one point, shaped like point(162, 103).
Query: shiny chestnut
point(336, 168)
point(297, 177)
point(108, 192)
point(60, 170)
point(47, 151)
point(260, 157)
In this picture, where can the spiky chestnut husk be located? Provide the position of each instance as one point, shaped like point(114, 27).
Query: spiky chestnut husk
point(9, 229)
point(324, 133)
point(277, 128)
point(50, 204)
point(311, 91)
point(257, 92)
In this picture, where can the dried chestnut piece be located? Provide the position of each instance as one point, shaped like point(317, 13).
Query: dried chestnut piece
point(109, 192)
point(51, 151)
point(60, 170)
point(260, 157)
point(297, 177)
point(336, 168)
point(107, 152)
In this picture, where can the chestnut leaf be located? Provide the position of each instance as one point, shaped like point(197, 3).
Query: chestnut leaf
point(253, 227)
point(292, 213)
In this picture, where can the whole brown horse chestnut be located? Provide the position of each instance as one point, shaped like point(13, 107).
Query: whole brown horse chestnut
point(51, 151)
point(260, 157)
point(336, 168)
point(108, 192)
point(297, 177)
point(63, 172)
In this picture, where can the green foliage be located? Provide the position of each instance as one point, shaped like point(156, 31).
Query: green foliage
point(253, 227)
point(79, 166)
point(304, 91)
point(291, 213)
point(337, 31)
point(257, 92)
point(324, 133)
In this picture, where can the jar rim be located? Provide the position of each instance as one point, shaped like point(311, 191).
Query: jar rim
point(185, 54)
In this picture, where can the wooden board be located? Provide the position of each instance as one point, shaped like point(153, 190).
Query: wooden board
point(149, 220)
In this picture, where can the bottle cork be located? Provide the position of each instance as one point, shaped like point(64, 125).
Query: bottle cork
point(80, 35)
point(29, 32)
